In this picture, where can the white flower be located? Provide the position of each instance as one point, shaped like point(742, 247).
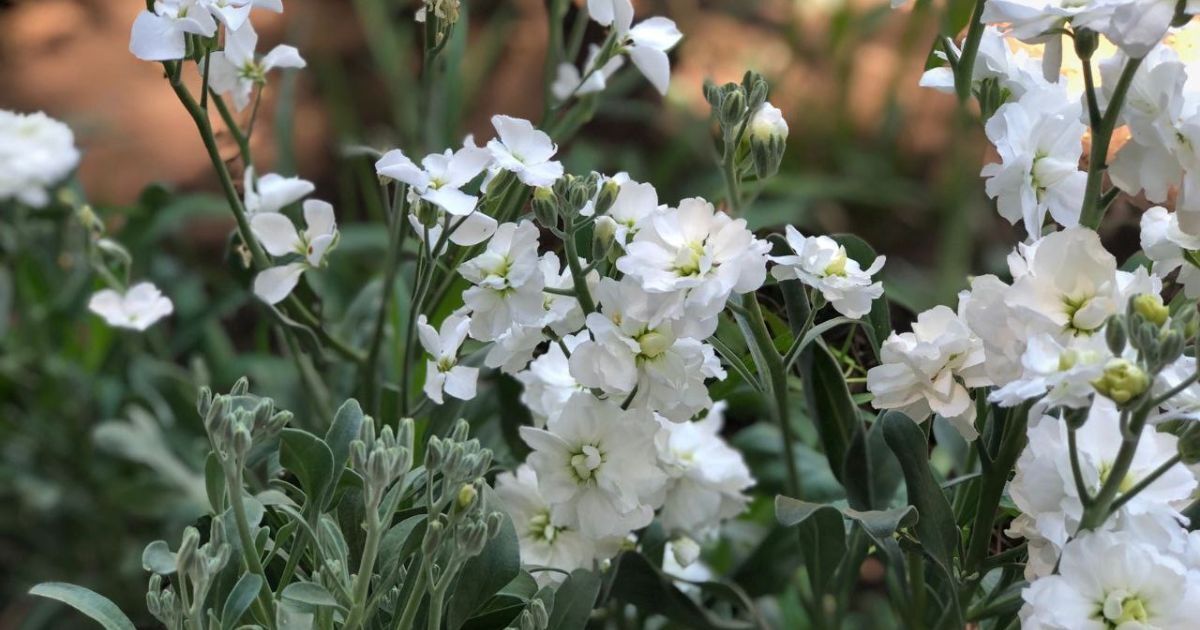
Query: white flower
point(1058, 370)
point(508, 282)
point(236, 71)
point(627, 353)
point(514, 349)
point(1069, 282)
point(548, 382)
point(442, 371)
point(635, 204)
point(36, 153)
point(137, 309)
point(820, 262)
point(524, 150)
point(1185, 404)
point(930, 370)
point(1043, 487)
point(440, 178)
point(1039, 139)
point(1015, 72)
point(1112, 580)
point(681, 561)
point(596, 466)
point(700, 253)
point(472, 229)
point(1166, 244)
point(161, 35)
point(1000, 327)
point(571, 82)
point(546, 541)
point(279, 237)
point(273, 192)
point(706, 478)
point(646, 44)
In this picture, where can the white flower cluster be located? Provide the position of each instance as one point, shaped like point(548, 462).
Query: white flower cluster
point(1083, 346)
point(646, 44)
point(36, 154)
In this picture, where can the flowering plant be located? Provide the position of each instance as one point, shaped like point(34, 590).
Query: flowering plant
point(1025, 457)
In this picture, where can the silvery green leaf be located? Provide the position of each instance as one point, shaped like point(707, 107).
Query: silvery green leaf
point(86, 601)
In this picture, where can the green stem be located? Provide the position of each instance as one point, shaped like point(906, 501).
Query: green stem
point(391, 265)
point(578, 277)
point(1095, 514)
point(264, 605)
point(729, 171)
point(1085, 497)
point(366, 568)
point(1011, 444)
point(963, 74)
point(414, 597)
point(1145, 482)
point(770, 366)
point(1091, 212)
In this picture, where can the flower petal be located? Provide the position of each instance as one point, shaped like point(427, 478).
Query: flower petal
point(274, 284)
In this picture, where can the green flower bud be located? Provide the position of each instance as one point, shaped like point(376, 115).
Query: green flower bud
point(607, 197)
point(433, 538)
point(434, 454)
point(1152, 308)
point(733, 108)
point(1122, 381)
point(187, 550)
point(1114, 335)
point(1086, 42)
point(467, 494)
point(461, 429)
point(654, 343)
point(240, 387)
point(545, 207)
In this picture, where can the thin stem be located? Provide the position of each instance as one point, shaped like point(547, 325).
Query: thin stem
point(391, 266)
point(366, 569)
point(1091, 212)
point(1093, 105)
point(772, 369)
point(1173, 392)
point(966, 61)
point(1095, 514)
point(264, 604)
point(1145, 482)
point(729, 171)
point(578, 278)
point(1011, 443)
point(1085, 497)
point(409, 614)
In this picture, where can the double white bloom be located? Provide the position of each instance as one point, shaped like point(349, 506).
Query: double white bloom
point(36, 153)
point(821, 263)
point(507, 282)
point(161, 34)
point(136, 309)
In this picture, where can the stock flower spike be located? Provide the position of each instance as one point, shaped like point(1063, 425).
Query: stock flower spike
point(136, 309)
point(279, 237)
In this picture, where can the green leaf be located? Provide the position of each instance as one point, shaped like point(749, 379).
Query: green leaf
point(214, 483)
point(309, 458)
point(158, 558)
point(309, 593)
point(487, 573)
point(86, 601)
point(870, 471)
point(400, 542)
point(345, 428)
point(644, 585)
point(239, 599)
point(574, 600)
point(935, 529)
point(822, 537)
point(830, 405)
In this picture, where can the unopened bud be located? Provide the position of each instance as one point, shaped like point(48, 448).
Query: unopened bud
point(685, 550)
point(466, 496)
point(1114, 335)
point(494, 521)
point(433, 538)
point(604, 233)
point(461, 429)
point(1151, 307)
point(733, 108)
point(1122, 381)
point(240, 387)
point(607, 197)
point(434, 454)
point(537, 608)
point(545, 207)
point(654, 343)
point(1086, 42)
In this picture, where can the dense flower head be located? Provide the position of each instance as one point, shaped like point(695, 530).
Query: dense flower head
point(37, 153)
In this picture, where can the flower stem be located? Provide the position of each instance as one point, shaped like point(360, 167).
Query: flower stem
point(1102, 505)
point(578, 277)
point(1092, 210)
point(264, 604)
point(774, 374)
point(391, 265)
point(366, 568)
point(1011, 443)
point(966, 61)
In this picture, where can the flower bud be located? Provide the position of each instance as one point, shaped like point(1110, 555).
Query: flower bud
point(240, 387)
point(685, 550)
point(187, 550)
point(654, 343)
point(1152, 308)
point(545, 207)
point(433, 538)
point(537, 609)
point(1086, 42)
point(434, 454)
point(1122, 381)
point(461, 429)
point(768, 122)
point(604, 233)
point(1114, 335)
point(607, 197)
point(733, 108)
point(467, 494)
point(712, 93)
point(494, 522)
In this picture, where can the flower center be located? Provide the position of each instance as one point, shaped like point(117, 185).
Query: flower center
point(687, 260)
point(653, 344)
point(1076, 308)
point(586, 462)
point(837, 266)
point(540, 528)
point(1121, 607)
point(1126, 483)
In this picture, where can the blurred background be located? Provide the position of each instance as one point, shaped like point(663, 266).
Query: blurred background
point(99, 443)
